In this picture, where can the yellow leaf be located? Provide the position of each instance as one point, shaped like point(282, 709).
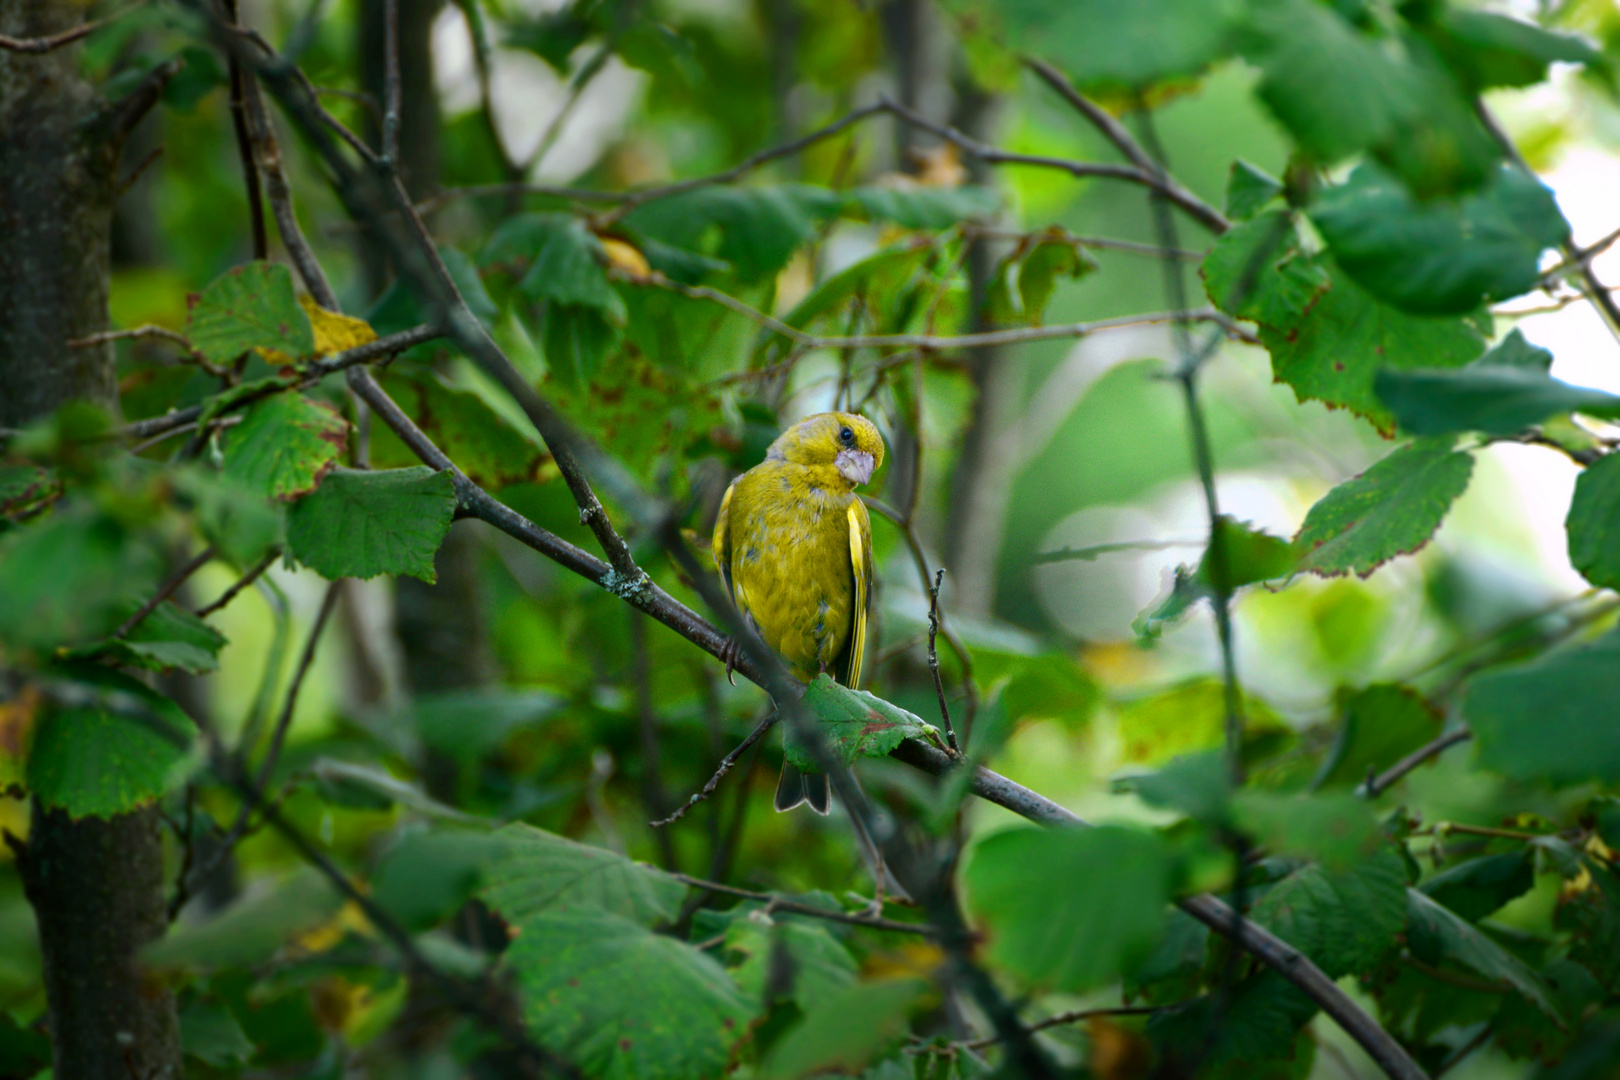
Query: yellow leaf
point(626, 257)
point(1576, 885)
point(915, 958)
point(334, 333)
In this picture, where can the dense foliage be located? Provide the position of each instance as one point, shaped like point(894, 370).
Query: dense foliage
point(329, 582)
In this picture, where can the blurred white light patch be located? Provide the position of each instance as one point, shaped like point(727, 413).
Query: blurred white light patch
point(1097, 599)
point(527, 95)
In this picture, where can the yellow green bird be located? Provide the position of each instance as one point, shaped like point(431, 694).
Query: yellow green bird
point(794, 546)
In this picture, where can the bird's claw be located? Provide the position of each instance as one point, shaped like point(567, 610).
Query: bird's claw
point(729, 652)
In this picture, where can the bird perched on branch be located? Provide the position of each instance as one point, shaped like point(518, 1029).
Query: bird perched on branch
point(794, 546)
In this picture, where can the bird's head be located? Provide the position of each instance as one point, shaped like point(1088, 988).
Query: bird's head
point(848, 442)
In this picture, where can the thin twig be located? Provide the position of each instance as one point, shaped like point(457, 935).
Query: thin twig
point(1116, 133)
point(652, 782)
point(1091, 553)
point(576, 90)
point(1101, 243)
point(933, 660)
point(391, 85)
point(1074, 1016)
point(239, 584)
point(41, 45)
point(150, 331)
point(726, 764)
point(1601, 297)
point(1378, 784)
point(166, 590)
point(1013, 336)
point(970, 688)
point(1463, 1051)
point(777, 902)
point(361, 354)
point(244, 146)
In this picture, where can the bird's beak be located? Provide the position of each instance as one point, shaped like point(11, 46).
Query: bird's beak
point(855, 466)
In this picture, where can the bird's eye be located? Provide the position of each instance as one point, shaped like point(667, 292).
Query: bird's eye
point(847, 437)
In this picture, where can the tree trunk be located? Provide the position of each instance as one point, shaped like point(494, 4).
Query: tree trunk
point(96, 885)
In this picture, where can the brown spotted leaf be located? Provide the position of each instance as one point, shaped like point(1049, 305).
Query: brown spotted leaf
point(854, 723)
point(250, 307)
point(619, 1000)
point(284, 445)
point(1391, 509)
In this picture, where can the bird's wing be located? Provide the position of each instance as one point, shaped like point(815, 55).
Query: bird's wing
point(860, 556)
point(722, 537)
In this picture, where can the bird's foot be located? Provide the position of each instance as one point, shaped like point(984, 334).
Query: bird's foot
point(731, 652)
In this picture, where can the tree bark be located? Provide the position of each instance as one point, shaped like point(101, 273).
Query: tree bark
point(96, 885)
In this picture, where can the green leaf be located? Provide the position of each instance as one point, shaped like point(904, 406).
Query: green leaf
point(398, 309)
point(1256, 271)
point(1111, 884)
point(1391, 509)
point(426, 876)
point(1594, 522)
point(372, 787)
point(1257, 1032)
point(169, 638)
point(1520, 1030)
point(252, 930)
point(1487, 50)
point(542, 874)
point(923, 208)
point(796, 959)
point(1497, 400)
point(284, 445)
point(618, 1000)
point(119, 746)
point(1251, 555)
point(240, 523)
point(1438, 937)
point(1105, 44)
point(1198, 785)
point(855, 724)
point(1440, 256)
point(1379, 725)
point(884, 271)
point(1340, 89)
point(844, 1031)
point(1248, 189)
point(1327, 337)
point(361, 524)
point(209, 1033)
point(1474, 889)
point(1188, 716)
point(470, 724)
point(576, 341)
point(1535, 721)
point(250, 307)
point(1346, 920)
point(760, 228)
point(24, 1052)
point(1334, 827)
point(554, 257)
point(1589, 912)
point(70, 577)
point(484, 444)
point(1049, 255)
point(21, 486)
point(1515, 352)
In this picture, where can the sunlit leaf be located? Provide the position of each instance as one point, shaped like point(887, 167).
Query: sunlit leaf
point(1109, 45)
point(844, 1030)
point(253, 929)
point(1440, 256)
point(1391, 509)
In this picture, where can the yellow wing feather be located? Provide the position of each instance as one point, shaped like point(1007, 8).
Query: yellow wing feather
point(721, 544)
point(860, 557)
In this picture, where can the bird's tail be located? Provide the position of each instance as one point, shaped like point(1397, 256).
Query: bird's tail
point(797, 787)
